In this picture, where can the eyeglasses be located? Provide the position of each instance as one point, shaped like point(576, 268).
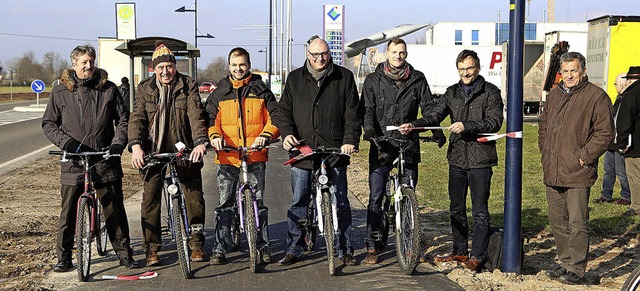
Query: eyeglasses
point(316, 55)
point(462, 70)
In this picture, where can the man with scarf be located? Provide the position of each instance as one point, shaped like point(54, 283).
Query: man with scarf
point(241, 114)
point(474, 106)
point(319, 107)
point(86, 114)
point(167, 111)
point(574, 130)
point(391, 96)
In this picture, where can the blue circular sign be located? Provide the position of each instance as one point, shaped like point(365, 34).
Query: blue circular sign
point(37, 86)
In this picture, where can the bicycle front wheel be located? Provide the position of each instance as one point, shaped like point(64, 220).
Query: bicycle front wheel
point(633, 282)
point(102, 237)
point(329, 234)
point(408, 240)
point(83, 238)
point(182, 236)
point(251, 230)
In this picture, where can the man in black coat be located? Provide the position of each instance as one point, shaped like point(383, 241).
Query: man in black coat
point(628, 129)
point(392, 96)
point(475, 106)
point(319, 107)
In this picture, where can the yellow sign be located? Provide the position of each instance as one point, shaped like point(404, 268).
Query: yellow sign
point(125, 20)
point(125, 12)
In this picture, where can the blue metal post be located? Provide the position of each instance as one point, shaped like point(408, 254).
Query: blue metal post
point(513, 162)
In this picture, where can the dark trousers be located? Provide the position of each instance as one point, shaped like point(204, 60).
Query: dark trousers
point(110, 195)
point(478, 181)
point(569, 220)
point(191, 185)
point(378, 186)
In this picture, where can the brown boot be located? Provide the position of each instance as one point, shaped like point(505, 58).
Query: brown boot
point(153, 259)
point(371, 258)
point(197, 255)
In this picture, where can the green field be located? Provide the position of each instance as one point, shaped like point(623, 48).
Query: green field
point(20, 89)
point(607, 219)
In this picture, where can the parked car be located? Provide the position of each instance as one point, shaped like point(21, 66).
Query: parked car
point(207, 87)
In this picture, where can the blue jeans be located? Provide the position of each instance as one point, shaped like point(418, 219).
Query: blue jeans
point(228, 176)
point(478, 181)
point(614, 166)
point(301, 186)
point(378, 186)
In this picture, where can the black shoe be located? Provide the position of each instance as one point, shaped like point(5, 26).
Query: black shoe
point(556, 273)
point(349, 260)
point(63, 266)
point(571, 278)
point(129, 263)
point(217, 259)
point(265, 255)
point(287, 260)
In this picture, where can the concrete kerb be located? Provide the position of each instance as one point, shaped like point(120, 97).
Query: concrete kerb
point(31, 108)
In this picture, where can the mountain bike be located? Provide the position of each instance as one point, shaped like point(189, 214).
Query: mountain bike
point(246, 218)
point(633, 282)
point(176, 205)
point(400, 207)
point(90, 222)
point(322, 214)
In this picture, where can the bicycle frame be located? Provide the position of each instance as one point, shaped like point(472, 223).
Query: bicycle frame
point(321, 182)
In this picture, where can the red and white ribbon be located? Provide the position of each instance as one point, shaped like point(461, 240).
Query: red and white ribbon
point(393, 127)
point(495, 136)
point(143, 276)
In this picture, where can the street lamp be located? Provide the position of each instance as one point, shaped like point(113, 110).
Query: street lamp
point(266, 58)
point(196, 36)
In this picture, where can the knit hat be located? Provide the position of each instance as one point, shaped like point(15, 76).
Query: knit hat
point(162, 54)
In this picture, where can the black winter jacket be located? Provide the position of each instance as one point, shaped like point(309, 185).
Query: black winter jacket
point(323, 113)
point(628, 121)
point(387, 104)
point(479, 112)
point(92, 113)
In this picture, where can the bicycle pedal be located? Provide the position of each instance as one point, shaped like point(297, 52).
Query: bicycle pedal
point(376, 235)
point(303, 223)
point(196, 228)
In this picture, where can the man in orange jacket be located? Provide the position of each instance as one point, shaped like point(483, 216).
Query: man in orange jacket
point(240, 111)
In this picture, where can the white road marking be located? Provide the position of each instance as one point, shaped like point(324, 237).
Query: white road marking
point(26, 156)
point(10, 116)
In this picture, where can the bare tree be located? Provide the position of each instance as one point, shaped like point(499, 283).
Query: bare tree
point(215, 71)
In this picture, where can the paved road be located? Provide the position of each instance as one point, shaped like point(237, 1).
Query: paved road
point(310, 274)
point(20, 132)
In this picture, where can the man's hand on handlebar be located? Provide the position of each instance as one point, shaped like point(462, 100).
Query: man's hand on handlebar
point(289, 142)
point(197, 154)
point(348, 149)
point(260, 142)
point(217, 143)
point(137, 157)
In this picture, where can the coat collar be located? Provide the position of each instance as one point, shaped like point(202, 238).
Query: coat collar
point(99, 79)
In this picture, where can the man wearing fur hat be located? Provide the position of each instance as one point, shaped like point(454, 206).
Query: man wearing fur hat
point(80, 117)
point(168, 110)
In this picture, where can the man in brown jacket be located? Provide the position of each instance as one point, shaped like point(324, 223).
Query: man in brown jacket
point(168, 110)
point(575, 129)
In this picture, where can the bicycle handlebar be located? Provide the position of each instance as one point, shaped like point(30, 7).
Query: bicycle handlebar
point(164, 158)
point(246, 149)
point(104, 154)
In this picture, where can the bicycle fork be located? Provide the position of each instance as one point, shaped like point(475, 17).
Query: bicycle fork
point(245, 177)
point(323, 184)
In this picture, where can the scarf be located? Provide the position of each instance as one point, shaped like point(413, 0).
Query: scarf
point(158, 125)
point(397, 74)
point(317, 75)
point(242, 82)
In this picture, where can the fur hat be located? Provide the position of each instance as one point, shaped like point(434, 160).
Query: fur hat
point(162, 54)
point(633, 73)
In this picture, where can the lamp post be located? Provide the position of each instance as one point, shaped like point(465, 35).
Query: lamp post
point(266, 58)
point(196, 36)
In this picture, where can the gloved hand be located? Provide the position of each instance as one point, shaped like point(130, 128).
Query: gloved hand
point(72, 146)
point(442, 139)
point(116, 149)
point(217, 143)
point(369, 135)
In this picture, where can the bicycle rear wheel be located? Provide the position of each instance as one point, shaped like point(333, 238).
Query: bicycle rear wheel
point(83, 239)
point(329, 234)
point(182, 236)
point(633, 282)
point(250, 229)
point(102, 237)
point(408, 240)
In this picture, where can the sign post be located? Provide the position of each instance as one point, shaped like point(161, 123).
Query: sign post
point(37, 86)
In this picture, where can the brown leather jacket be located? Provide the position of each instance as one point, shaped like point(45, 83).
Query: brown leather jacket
point(186, 119)
point(573, 126)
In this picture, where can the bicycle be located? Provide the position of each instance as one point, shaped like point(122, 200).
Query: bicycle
point(633, 282)
point(246, 216)
point(400, 207)
point(176, 205)
point(322, 213)
point(90, 222)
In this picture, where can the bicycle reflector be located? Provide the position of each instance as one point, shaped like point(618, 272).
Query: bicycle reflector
point(323, 179)
point(173, 189)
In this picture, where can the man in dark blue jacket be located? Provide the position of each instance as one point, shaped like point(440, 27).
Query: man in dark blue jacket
point(474, 106)
point(319, 107)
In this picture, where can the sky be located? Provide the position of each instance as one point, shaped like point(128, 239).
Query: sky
point(43, 25)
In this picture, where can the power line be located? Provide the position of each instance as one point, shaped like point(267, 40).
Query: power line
point(47, 37)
